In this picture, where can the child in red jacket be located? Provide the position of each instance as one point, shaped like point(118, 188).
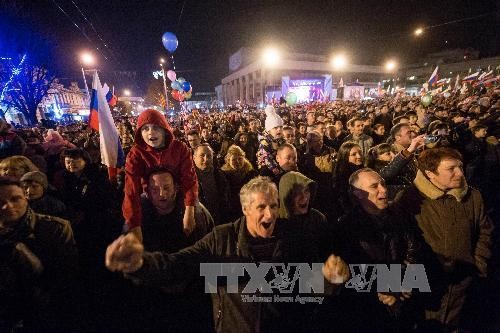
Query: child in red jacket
point(156, 148)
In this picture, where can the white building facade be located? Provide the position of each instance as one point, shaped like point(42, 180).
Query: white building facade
point(311, 77)
point(61, 101)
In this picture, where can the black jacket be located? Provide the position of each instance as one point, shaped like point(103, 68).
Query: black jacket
point(386, 239)
point(219, 200)
point(38, 267)
point(226, 243)
point(49, 205)
point(165, 232)
point(398, 174)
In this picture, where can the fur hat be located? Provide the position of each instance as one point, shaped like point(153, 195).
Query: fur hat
point(272, 118)
point(36, 176)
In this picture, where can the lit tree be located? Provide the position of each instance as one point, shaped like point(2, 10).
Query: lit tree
point(155, 94)
point(3, 80)
point(27, 89)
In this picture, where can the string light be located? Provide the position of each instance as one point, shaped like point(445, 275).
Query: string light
point(15, 72)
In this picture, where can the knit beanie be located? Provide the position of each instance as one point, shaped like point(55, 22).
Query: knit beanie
point(36, 176)
point(272, 118)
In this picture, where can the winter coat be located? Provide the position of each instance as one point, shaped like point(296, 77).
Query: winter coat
point(364, 141)
point(310, 232)
point(54, 144)
point(340, 184)
point(266, 155)
point(11, 144)
point(458, 232)
point(38, 265)
point(236, 179)
point(398, 174)
point(165, 232)
point(92, 208)
point(218, 202)
point(384, 239)
point(143, 160)
point(228, 242)
point(475, 153)
point(49, 205)
point(319, 168)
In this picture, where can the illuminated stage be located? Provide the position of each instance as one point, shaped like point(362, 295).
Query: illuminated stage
point(308, 89)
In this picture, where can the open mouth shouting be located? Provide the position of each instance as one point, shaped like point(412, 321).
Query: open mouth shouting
point(266, 225)
point(154, 141)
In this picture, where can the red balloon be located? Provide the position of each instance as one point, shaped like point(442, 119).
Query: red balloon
point(177, 95)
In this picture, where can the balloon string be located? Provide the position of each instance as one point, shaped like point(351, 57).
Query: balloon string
point(180, 16)
point(173, 61)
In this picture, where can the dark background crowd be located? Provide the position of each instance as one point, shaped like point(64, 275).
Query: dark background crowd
point(52, 272)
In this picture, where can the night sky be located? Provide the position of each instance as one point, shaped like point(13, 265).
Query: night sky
point(209, 31)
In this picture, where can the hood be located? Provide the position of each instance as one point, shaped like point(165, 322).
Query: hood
point(151, 116)
point(287, 184)
point(427, 188)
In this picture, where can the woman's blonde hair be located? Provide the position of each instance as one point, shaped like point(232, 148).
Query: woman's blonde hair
point(18, 161)
point(235, 150)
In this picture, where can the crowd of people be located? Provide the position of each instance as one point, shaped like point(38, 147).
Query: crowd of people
point(383, 181)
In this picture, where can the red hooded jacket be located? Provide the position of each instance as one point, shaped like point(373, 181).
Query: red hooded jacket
point(143, 159)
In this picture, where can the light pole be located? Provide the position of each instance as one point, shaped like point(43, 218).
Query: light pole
point(270, 58)
point(164, 74)
point(86, 59)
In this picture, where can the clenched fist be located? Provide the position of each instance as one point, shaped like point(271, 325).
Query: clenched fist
point(335, 270)
point(125, 254)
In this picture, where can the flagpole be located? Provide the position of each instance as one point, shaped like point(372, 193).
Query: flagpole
point(86, 86)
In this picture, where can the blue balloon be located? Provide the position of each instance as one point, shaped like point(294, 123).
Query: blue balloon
point(170, 41)
point(186, 86)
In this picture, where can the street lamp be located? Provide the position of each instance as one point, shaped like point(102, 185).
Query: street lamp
point(390, 65)
point(126, 92)
point(164, 75)
point(418, 31)
point(271, 56)
point(86, 59)
point(339, 61)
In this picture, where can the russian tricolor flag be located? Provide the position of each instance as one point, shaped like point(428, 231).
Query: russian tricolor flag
point(111, 98)
point(485, 75)
point(442, 82)
point(101, 120)
point(471, 77)
point(94, 114)
point(434, 77)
